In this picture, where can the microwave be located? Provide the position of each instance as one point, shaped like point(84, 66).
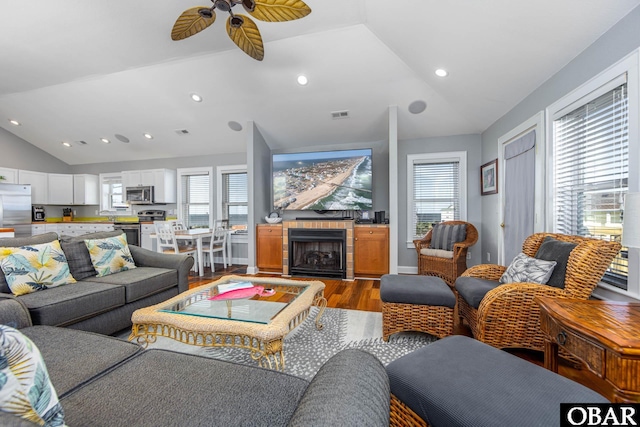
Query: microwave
point(141, 195)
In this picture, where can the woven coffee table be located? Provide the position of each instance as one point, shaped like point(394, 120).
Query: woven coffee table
point(258, 324)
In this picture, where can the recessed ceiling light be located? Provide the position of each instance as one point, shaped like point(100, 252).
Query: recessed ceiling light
point(417, 107)
point(105, 140)
point(148, 135)
point(14, 122)
point(440, 72)
point(66, 144)
point(196, 97)
point(302, 80)
point(235, 126)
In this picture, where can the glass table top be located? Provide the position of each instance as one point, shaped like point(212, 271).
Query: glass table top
point(244, 301)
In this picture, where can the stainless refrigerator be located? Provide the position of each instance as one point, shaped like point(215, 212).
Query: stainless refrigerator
point(15, 208)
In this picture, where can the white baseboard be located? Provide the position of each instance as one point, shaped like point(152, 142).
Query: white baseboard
point(407, 270)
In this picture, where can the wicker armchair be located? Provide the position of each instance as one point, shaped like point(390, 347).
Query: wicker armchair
point(448, 269)
point(508, 317)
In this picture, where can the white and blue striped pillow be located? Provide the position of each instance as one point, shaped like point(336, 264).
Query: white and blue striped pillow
point(444, 236)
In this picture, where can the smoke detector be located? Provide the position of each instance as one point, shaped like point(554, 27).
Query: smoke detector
point(182, 131)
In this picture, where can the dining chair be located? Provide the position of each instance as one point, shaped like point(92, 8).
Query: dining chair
point(218, 243)
point(167, 242)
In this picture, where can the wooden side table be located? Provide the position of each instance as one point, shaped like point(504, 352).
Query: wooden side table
point(605, 335)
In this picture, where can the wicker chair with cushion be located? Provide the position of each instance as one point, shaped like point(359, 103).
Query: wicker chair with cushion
point(505, 315)
point(446, 258)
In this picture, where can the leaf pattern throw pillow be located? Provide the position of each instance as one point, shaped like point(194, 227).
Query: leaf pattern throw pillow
point(110, 255)
point(33, 268)
point(523, 268)
point(25, 387)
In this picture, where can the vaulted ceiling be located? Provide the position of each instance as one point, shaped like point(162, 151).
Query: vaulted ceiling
point(78, 70)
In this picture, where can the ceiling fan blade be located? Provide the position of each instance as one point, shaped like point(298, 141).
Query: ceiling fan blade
point(244, 33)
point(192, 21)
point(277, 10)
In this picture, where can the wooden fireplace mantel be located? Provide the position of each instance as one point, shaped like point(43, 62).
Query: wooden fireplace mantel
point(367, 246)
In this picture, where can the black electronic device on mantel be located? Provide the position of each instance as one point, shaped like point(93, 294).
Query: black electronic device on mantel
point(380, 217)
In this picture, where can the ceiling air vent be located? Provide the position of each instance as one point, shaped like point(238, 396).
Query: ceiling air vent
point(182, 132)
point(344, 114)
point(82, 142)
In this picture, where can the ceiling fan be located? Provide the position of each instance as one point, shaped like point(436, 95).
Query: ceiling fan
point(240, 28)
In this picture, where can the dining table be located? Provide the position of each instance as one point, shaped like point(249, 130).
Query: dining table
point(199, 234)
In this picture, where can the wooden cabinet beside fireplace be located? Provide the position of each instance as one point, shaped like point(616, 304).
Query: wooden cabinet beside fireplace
point(371, 250)
point(269, 247)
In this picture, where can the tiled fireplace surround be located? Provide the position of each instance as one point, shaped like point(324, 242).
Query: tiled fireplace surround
point(319, 224)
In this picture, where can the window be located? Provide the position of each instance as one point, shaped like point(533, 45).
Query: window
point(233, 195)
point(591, 174)
point(436, 191)
point(112, 192)
point(194, 197)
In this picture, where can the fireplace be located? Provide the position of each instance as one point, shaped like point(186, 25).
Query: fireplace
point(317, 252)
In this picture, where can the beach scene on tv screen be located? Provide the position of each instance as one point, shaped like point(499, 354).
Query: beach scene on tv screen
point(326, 180)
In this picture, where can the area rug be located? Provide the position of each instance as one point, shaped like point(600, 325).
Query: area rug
point(307, 349)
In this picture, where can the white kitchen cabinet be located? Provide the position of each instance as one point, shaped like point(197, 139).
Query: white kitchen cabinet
point(60, 189)
point(39, 182)
point(162, 180)
point(38, 229)
point(85, 189)
point(145, 236)
point(10, 175)
point(164, 186)
point(48, 228)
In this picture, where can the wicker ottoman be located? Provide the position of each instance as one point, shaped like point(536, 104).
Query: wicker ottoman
point(416, 303)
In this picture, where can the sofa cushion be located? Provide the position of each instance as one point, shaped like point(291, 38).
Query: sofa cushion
point(473, 289)
point(110, 255)
point(141, 281)
point(458, 381)
point(68, 304)
point(555, 250)
point(22, 241)
point(75, 357)
point(78, 255)
point(25, 387)
point(35, 267)
point(185, 390)
point(444, 236)
point(525, 269)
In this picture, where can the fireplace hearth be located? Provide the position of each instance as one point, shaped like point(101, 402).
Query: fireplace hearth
point(317, 252)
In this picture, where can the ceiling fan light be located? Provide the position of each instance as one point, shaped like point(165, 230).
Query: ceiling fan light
point(223, 5)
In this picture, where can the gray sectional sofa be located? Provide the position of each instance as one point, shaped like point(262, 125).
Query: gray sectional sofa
point(101, 304)
point(104, 381)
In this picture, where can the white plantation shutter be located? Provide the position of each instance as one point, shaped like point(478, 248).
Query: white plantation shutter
point(436, 194)
point(235, 204)
point(591, 168)
point(195, 205)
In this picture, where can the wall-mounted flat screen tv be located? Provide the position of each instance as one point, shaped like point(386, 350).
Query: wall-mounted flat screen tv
point(323, 180)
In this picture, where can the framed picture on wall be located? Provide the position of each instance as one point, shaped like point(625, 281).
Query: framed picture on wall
point(489, 178)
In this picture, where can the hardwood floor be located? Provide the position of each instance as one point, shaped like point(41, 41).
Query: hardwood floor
point(364, 295)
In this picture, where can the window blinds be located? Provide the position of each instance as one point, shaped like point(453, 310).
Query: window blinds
point(195, 200)
point(235, 198)
point(591, 170)
point(436, 194)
